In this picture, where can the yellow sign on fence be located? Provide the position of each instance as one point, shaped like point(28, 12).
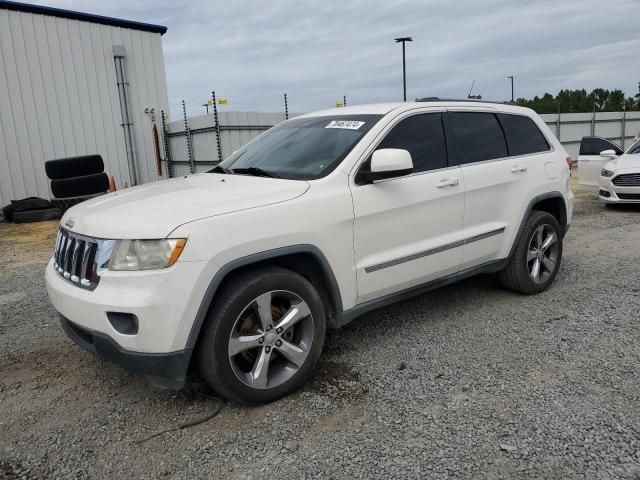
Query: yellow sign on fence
point(223, 101)
point(339, 105)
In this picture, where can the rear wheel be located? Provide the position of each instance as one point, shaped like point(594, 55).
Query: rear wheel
point(263, 337)
point(537, 255)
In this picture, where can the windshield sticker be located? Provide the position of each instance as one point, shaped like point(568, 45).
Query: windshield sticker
point(348, 124)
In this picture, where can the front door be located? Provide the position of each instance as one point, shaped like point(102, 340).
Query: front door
point(408, 230)
point(589, 160)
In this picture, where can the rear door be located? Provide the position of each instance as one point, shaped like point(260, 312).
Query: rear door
point(589, 160)
point(408, 230)
point(497, 181)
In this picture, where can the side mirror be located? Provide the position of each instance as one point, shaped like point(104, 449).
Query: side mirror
point(609, 154)
point(388, 163)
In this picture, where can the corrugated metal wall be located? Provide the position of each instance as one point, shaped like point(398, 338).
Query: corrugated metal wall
point(59, 98)
point(238, 128)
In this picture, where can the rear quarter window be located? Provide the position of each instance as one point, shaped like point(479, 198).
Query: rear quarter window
point(522, 134)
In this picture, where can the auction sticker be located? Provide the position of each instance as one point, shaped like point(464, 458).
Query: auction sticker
point(348, 124)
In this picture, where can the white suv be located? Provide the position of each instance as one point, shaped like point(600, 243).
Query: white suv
point(237, 272)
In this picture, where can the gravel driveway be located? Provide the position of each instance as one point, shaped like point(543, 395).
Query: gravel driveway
point(469, 381)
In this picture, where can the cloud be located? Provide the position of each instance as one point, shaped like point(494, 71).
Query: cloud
point(252, 51)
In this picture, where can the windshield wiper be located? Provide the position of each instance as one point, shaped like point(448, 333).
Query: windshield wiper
point(255, 171)
point(219, 169)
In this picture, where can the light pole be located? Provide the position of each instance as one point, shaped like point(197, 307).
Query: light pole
point(403, 40)
point(510, 77)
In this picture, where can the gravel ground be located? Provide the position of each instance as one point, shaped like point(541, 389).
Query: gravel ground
point(469, 381)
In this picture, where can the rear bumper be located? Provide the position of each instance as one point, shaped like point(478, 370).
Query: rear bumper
point(164, 370)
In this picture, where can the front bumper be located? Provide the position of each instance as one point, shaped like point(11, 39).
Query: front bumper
point(610, 193)
point(164, 303)
point(162, 370)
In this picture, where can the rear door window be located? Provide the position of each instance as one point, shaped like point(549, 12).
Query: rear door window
point(523, 135)
point(477, 136)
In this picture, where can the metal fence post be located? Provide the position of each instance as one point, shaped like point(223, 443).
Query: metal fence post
point(558, 124)
point(167, 145)
point(623, 129)
point(187, 134)
point(344, 101)
point(217, 125)
point(593, 121)
point(286, 108)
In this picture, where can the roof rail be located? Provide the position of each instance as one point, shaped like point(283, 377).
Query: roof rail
point(475, 100)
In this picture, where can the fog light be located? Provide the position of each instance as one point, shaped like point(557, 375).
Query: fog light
point(125, 323)
point(605, 194)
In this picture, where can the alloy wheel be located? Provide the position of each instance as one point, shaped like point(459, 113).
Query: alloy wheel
point(542, 253)
point(271, 339)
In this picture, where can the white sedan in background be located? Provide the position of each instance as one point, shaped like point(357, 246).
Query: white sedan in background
point(619, 172)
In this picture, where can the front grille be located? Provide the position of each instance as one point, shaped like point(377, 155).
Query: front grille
point(629, 196)
point(75, 259)
point(627, 180)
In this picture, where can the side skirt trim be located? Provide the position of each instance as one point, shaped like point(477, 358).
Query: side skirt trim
point(433, 251)
point(347, 316)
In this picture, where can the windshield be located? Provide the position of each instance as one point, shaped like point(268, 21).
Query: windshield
point(304, 148)
point(635, 148)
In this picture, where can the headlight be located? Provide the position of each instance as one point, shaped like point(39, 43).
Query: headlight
point(146, 254)
point(606, 173)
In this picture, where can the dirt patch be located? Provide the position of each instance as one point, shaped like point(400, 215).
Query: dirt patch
point(26, 244)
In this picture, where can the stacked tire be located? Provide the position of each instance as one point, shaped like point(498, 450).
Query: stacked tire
point(76, 179)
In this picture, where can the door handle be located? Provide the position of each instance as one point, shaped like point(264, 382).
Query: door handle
point(518, 169)
point(446, 182)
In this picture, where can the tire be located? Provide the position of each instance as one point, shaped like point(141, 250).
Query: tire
point(65, 204)
point(228, 373)
point(74, 167)
point(26, 204)
point(519, 273)
point(80, 186)
point(37, 215)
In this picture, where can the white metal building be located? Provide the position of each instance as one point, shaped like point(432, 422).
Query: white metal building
point(61, 94)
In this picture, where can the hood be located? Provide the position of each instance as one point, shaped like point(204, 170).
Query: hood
point(155, 209)
point(623, 162)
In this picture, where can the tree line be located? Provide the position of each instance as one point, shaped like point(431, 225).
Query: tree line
point(573, 101)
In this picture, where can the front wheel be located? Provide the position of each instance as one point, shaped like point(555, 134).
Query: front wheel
point(537, 255)
point(263, 336)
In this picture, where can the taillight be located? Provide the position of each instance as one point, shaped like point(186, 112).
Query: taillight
point(569, 164)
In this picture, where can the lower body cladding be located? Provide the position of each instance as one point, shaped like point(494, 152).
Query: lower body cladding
point(611, 193)
point(138, 320)
point(162, 370)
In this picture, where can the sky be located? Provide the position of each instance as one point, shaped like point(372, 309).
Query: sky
point(252, 52)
